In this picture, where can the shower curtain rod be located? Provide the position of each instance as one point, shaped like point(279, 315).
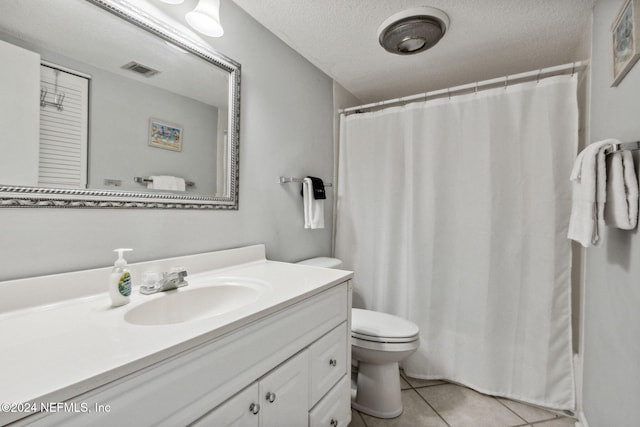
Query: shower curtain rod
point(474, 87)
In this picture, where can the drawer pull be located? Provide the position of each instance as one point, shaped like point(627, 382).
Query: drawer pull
point(334, 363)
point(271, 397)
point(254, 408)
point(334, 422)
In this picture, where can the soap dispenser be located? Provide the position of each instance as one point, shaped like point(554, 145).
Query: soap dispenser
point(120, 280)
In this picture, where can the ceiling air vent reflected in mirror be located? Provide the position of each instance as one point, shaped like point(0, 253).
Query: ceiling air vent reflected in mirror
point(140, 69)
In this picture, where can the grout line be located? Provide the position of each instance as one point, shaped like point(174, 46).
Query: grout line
point(526, 423)
point(359, 415)
point(425, 400)
point(550, 419)
point(429, 404)
point(406, 379)
point(505, 405)
point(427, 385)
point(538, 422)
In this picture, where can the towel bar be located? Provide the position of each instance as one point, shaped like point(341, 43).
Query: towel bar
point(631, 146)
point(286, 179)
point(143, 180)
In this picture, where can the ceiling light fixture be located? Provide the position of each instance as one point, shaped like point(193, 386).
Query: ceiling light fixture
point(172, 1)
point(413, 30)
point(205, 18)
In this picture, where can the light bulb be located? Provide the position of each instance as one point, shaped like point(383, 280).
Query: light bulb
point(205, 18)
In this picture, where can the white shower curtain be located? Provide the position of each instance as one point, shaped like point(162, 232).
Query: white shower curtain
point(453, 213)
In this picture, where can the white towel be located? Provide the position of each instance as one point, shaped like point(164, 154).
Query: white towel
point(589, 194)
point(313, 209)
point(621, 208)
point(166, 182)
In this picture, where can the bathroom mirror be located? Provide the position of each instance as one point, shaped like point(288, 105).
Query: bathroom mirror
point(112, 103)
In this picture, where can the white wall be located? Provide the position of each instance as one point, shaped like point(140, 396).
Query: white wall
point(611, 390)
point(286, 129)
point(120, 131)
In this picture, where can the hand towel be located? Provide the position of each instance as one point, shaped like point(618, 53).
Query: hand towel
point(166, 182)
point(621, 208)
point(313, 208)
point(318, 188)
point(589, 194)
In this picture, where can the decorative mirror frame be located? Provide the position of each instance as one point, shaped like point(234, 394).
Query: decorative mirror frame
point(38, 197)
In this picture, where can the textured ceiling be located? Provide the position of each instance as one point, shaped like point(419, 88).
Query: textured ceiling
point(486, 39)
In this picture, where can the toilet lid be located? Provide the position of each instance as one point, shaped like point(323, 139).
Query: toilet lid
point(376, 326)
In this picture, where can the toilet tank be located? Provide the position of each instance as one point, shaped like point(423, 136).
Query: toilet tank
point(322, 261)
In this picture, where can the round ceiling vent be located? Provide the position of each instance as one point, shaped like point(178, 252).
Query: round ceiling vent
point(413, 30)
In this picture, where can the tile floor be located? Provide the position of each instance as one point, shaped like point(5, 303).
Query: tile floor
point(442, 404)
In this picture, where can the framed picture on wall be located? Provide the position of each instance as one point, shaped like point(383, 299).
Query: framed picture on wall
point(625, 40)
point(163, 134)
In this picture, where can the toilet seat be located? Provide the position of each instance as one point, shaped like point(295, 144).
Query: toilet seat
point(385, 340)
point(380, 327)
point(390, 347)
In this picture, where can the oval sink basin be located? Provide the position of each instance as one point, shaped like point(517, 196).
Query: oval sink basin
point(185, 304)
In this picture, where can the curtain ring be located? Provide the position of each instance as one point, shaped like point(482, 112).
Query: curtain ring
point(476, 89)
point(506, 82)
point(573, 69)
point(538, 78)
point(449, 93)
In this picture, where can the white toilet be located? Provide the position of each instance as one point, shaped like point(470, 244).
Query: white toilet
point(379, 341)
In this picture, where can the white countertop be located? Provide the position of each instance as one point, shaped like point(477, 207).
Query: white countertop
point(53, 352)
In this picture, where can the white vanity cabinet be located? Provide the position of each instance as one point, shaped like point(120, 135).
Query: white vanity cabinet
point(333, 410)
point(328, 362)
point(279, 399)
point(287, 368)
point(330, 379)
point(287, 395)
point(242, 410)
point(284, 393)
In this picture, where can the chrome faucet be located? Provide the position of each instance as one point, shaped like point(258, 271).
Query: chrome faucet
point(159, 282)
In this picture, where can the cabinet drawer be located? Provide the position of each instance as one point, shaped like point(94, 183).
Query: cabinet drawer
point(334, 410)
point(328, 361)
